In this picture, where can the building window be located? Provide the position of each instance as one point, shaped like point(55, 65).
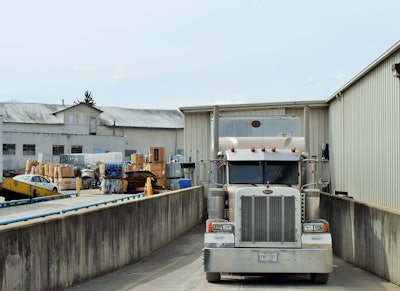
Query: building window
point(129, 152)
point(76, 149)
point(29, 149)
point(58, 150)
point(93, 126)
point(9, 149)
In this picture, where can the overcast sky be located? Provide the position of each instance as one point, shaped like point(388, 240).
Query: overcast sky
point(178, 53)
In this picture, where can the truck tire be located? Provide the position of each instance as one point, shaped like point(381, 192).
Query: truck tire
point(213, 277)
point(320, 278)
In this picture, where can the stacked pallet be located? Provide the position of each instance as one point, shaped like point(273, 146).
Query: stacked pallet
point(111, 175)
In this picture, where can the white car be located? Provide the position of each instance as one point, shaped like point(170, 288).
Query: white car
point(37, 180)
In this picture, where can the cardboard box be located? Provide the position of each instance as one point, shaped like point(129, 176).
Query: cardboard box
point(66, 184)
point(66, 172)
point(160, 173)
point(156, 154)
point(135, 167)
point(161, 181)
point(102, 169)
point(124, 186)
point(160, 166)
point(137, 159)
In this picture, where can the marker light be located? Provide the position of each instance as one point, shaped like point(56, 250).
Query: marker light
point(253, 149)
point(293, 149)
point(232, 149)
point(273, 149)
point(263, 149)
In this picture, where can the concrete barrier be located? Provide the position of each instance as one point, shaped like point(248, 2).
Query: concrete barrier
point(365, 235)
point(57, 252)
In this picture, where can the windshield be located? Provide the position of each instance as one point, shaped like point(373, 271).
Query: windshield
point(263, 172)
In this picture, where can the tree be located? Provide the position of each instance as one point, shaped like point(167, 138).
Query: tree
point(89, 100)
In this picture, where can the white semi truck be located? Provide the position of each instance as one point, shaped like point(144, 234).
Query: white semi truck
point(263, 211)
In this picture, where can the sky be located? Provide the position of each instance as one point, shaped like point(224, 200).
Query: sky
point(159, 54)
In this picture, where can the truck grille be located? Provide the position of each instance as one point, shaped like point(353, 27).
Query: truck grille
point(268, 219)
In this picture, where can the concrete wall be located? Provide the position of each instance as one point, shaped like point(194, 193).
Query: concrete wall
point(57, 252)
point(365, 235)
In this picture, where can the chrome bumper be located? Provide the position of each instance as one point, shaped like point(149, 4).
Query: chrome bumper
point(250, 260)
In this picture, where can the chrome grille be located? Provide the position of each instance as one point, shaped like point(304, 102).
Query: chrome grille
point(268, 219)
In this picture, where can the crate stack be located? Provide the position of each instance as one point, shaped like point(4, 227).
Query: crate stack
point(53, 172)
point(137, 161)
point(156, 165)
point(64, 177)
point(111, 176)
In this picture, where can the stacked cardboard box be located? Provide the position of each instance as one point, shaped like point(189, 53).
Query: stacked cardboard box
point(158, 169)
point(65, 177)
point(156, 165)
point(156, 154)
point(137, 161)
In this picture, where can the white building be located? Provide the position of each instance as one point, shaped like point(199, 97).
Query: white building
point(31, 130)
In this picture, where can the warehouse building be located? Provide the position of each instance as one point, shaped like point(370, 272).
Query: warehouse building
point(364, 123)
point(360, 123)
point(47, 132)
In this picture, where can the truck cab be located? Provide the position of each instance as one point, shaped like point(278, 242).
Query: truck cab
point(264, 216)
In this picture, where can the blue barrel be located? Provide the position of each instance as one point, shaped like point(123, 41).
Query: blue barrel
point(184, 183)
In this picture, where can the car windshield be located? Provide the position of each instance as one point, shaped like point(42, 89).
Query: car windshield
point(263, 172)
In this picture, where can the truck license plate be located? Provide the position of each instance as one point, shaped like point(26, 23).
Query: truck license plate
point(268, 257)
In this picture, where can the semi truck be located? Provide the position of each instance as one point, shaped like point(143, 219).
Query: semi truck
point(263, 210)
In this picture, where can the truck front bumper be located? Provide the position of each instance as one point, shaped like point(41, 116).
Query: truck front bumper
point(256, 260)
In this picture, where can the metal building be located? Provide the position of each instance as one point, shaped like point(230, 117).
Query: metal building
point(360, 122)
point(364, 122)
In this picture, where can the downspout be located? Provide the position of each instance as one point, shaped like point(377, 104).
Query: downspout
point(214, 145)
point(306, 129)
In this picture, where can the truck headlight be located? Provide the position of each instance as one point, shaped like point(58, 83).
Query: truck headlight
point(321, 226)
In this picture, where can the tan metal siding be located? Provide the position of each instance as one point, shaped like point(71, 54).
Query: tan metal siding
point(335, 144)
point(365, 130)
point(318, 130)
point(197, 136)
point(318, 127)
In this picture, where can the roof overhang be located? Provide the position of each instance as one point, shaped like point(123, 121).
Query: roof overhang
point(246, 106)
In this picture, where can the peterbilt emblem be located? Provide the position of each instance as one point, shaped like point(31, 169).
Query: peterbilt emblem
point(268, 191)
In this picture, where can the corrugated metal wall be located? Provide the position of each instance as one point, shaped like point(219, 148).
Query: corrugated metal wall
point(365, 134)
point(197, 136)
point(318, 127)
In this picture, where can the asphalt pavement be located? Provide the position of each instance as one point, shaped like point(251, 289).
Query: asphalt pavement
point(178, 266)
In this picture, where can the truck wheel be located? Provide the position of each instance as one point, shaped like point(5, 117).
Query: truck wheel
point(320, 278)
point(213, 277)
